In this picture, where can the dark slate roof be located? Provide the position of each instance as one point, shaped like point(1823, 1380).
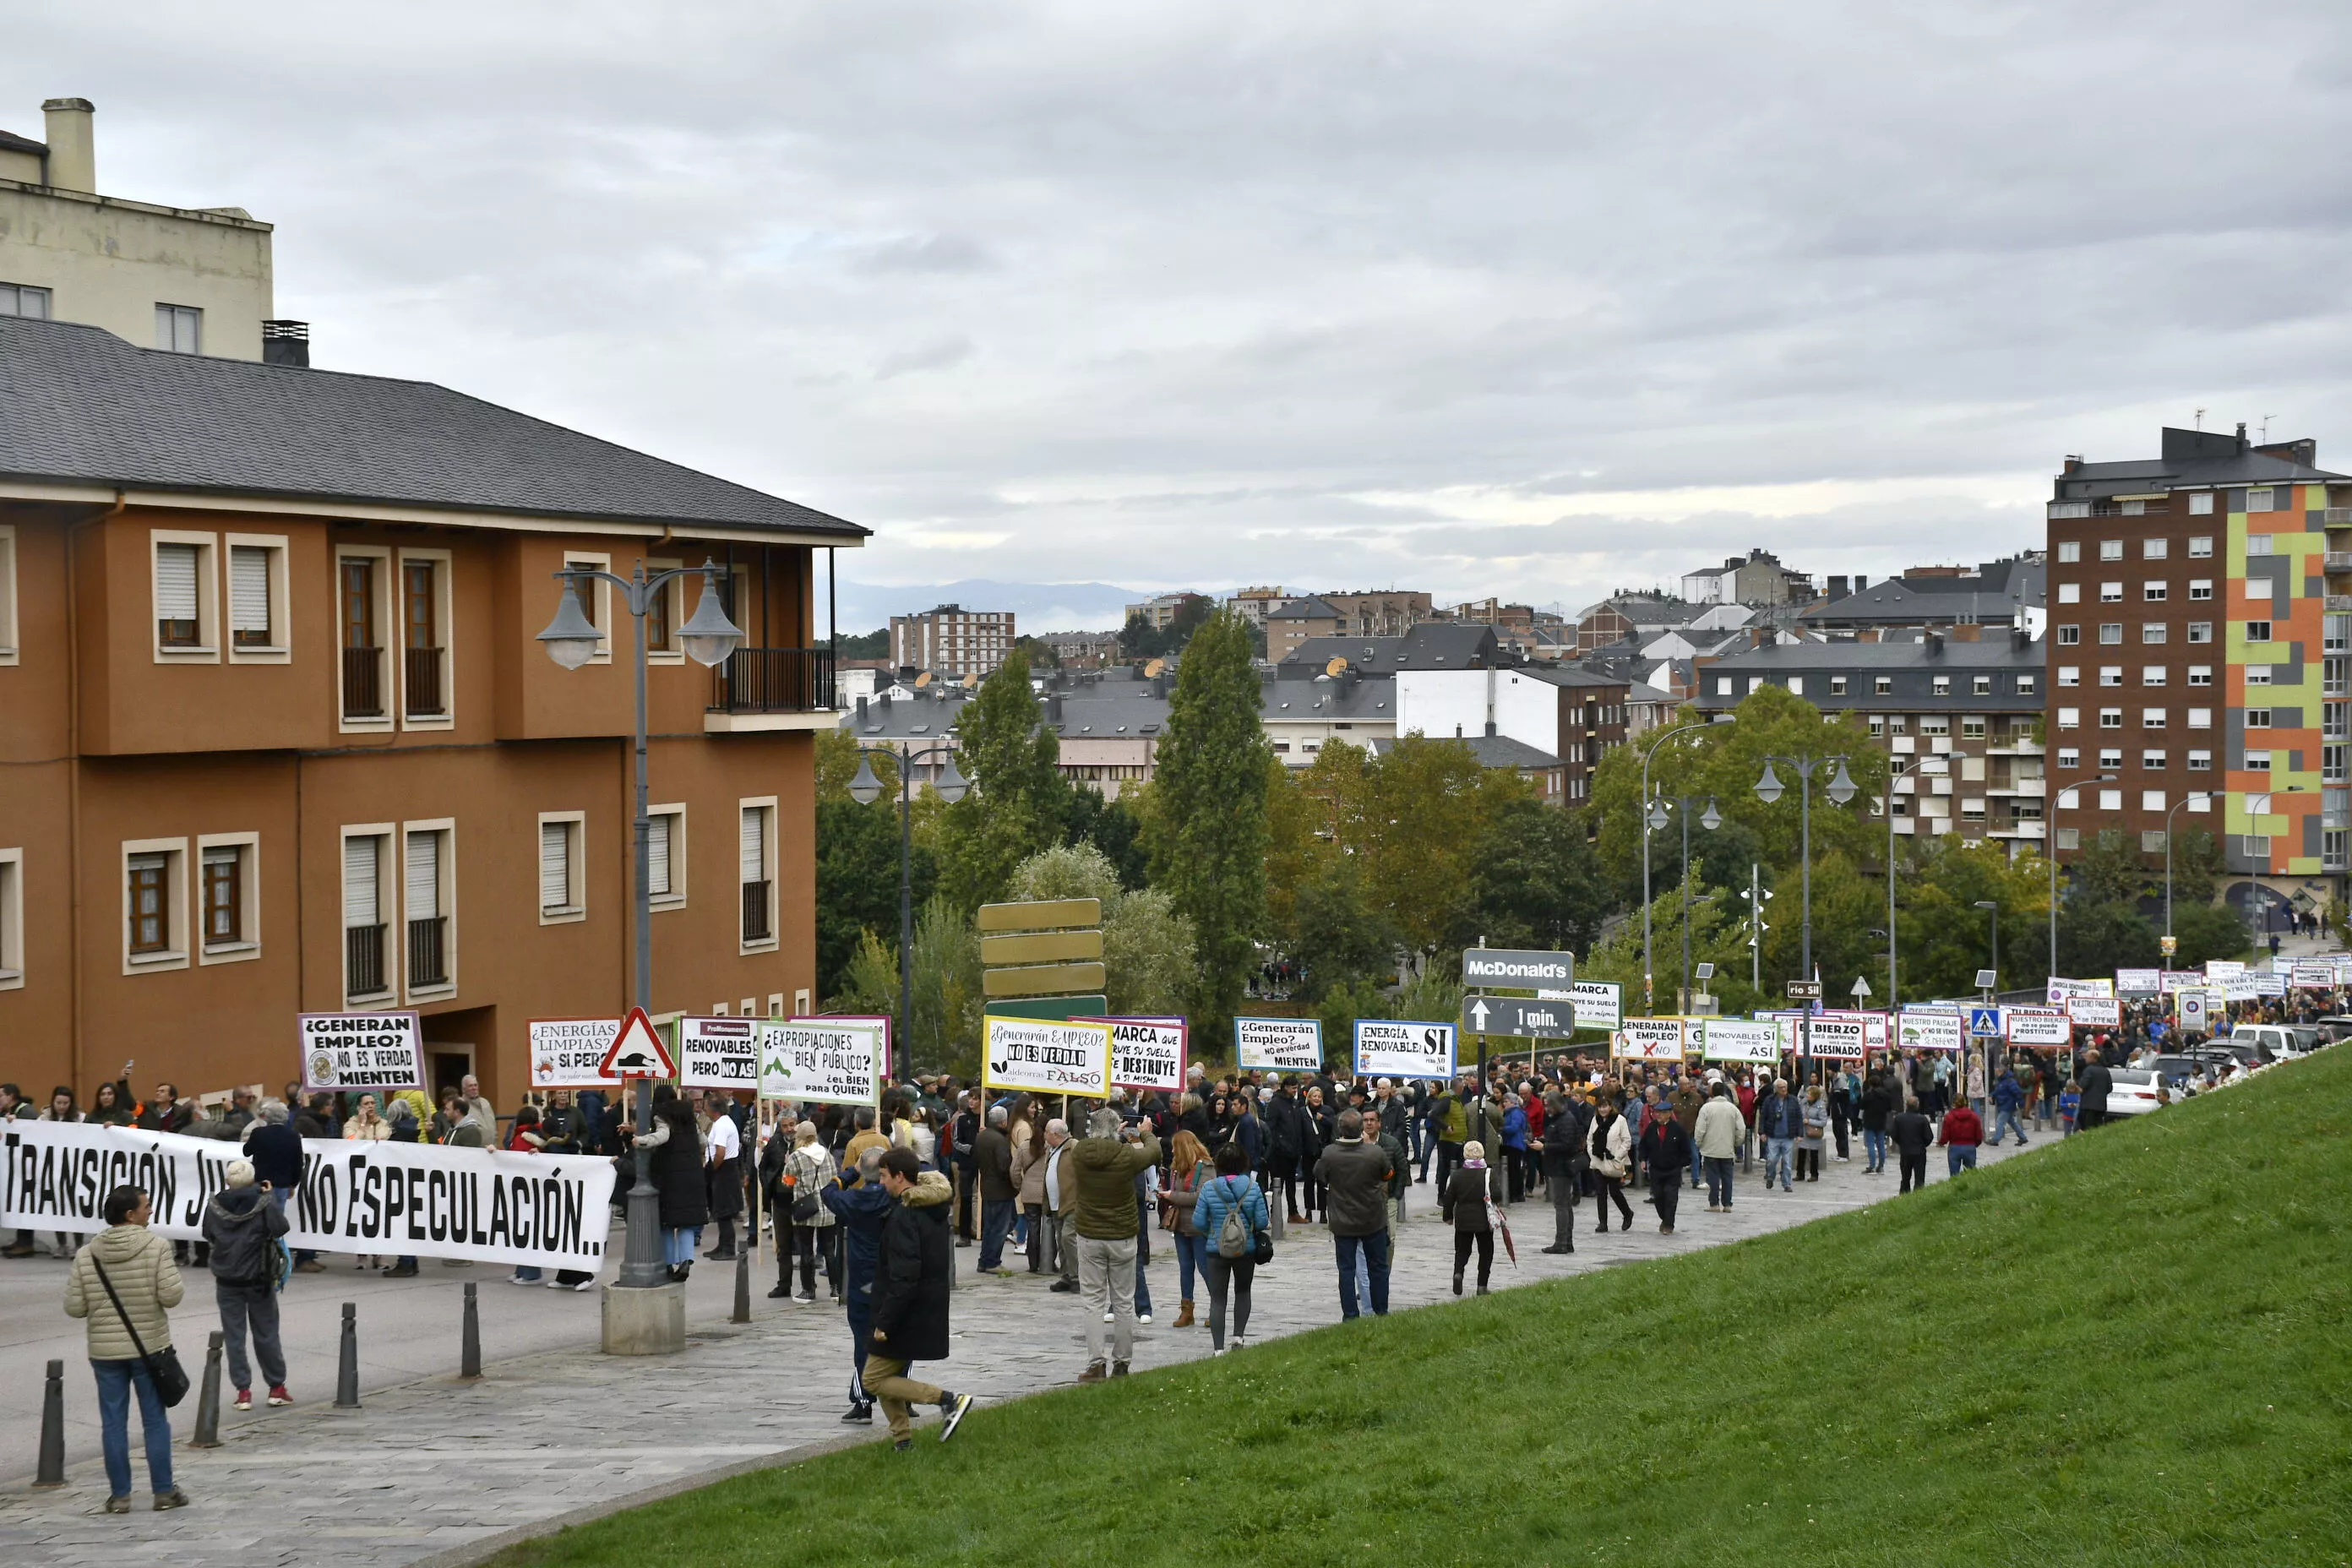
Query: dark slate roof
point(1911, 664)
point(2196, 459)
point(1371, 699)
point(12, 142)
point(79, 406)
point(1491, 751)
point(1372, 656)
point(1998, 591)
point(1306, 609)
point(1568, 675)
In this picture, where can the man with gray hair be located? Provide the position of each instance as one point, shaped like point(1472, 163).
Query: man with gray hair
point(1061, 1198)
point(991, 1157)
point(1355, 1175)
point(1105, 1164)
point(242, 1224)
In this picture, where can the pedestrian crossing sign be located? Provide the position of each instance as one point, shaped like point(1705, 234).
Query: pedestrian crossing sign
point(1984, 1023)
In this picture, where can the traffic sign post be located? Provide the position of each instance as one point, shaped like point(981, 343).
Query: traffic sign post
point(1804, 990)
point(1517, 1015)
point(637, 1051)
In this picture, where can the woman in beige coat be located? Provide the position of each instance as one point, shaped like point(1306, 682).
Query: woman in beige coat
point(138, 1264)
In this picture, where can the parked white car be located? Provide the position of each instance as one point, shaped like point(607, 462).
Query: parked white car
point(2277, 1040)
point(2132, 1091)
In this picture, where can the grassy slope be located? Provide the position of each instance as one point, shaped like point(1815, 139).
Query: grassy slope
point(2129, 1349)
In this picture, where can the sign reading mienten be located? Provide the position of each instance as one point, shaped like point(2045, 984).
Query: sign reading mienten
point(1514, 969)
point(360, 1051)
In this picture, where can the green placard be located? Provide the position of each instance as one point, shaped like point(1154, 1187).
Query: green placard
point(1059, 1008)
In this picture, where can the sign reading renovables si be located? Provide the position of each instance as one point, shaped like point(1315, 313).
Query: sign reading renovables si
point(1046, 1058)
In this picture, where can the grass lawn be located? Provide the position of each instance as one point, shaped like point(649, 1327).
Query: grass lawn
point(2129, 1348)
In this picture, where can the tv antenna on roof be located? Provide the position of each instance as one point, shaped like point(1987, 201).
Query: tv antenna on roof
point(2200, 424)
point(2266, 425)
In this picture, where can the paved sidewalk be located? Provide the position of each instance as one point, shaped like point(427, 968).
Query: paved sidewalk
point(433, 1466)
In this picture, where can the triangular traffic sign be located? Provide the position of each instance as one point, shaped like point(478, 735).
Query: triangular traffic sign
point(637, 1051)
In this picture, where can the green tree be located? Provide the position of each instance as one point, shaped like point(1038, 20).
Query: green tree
point(1018, 802)
point(1339, 938)
point(1113, 826)
point(836, 764)
point(1147, 945)
point(1535, 881)
point(869, 981)
point(1947, 939)
point(1207, 830)
point(858, 881)
point(944, 1034)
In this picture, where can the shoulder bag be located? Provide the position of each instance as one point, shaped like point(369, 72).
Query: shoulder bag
point(171, 1378)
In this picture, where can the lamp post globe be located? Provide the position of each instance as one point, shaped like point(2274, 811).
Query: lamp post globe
point(709, 636)
point(1767, 788)
point(570, 638)
point(865, 789)
point(950, 785)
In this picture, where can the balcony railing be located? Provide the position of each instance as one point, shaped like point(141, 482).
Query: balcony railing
point(363, 961)
point(428, 959)
point(421, 682)
point(756, 926)
point(773, 680)
point(2336, 561)
point(362, 683)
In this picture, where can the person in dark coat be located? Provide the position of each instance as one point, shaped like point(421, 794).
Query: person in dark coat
point(992, 1158)
point(1911, 1132)
point(1565, 1129)
point(2093, 1085)
point(917, 1268)
point(1666, 1151)
point(1462, 1203)
point(676, 1169)
point(242, 1227)
point(862, 1210)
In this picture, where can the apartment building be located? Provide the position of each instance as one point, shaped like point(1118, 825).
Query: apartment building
point(2009, 592)
point(1955, 713)
point(951, 641)
point(190, 280)
point(1757, 578)
point(1294, 623)
point(1553, 722)
point(1160, 612)
point(280, 738)
point(2200, 651)
point(1378, 612)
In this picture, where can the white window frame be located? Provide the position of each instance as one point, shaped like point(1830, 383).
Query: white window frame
point(2152, 759)
point(2069, 593)
point(2200, 631)
point(445, 879)
point(770, 863)
point(2069, 676)
point(1837, 685)
point(444, 570)
point(175, 905)
point(208, 605)
point(2111, 675)
point(192, 315)
point(2154, 549)
point(675, 897)
point(387, 909)
point(2111, 549)
point(2154, 674)
point(2111, 800)
point(2070, 551)
point(2155, 592)
point(2201, 504)
point(2111, 593)
point(2069, 757)
point(2070, 718)
point(8, 594)
point(600, 607)
point(2152, 632)
point(2111, 718)
point(2200, 717)
point(2200, 590)
point(2111, 757)
point(248, 899)
point(280, 648)
point(576, 910)
point(12, 919)
point(387, 608)
point(2151, 718)
point(2201, 675)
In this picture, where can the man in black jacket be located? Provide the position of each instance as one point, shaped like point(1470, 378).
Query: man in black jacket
point(1566, 1127)
point(910, 1298)
point(963, 1131)
point(1283, 1144)
point(1911, 1132)
point(1666, 1151)
point(2095, 1085)
point(276, 1151)
point(242, 1227)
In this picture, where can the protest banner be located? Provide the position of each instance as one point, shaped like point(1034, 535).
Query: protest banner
point(2270, 984)
point(1739, 1040)
point(1649, 1040)
point(2225, 968)
point(2093, 1012)
point(2061, 989)
point(2190, 1009)
point(1600, 1003)
point(1397, 1048)
point(2313, 976)
point(360, 1051)
point(833, 1060)
point(1046, 1058)
point(1279, 1044)
point(2038, 1027)
point(569, 1053)
point(429, 1200)
point(1845, 1036)
point(718, 1053)
point(2182, 979)
point(2138, 981)
point(1147, 1053)
point(1930, 1029)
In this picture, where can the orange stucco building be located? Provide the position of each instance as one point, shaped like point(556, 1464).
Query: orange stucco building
point(275, 737)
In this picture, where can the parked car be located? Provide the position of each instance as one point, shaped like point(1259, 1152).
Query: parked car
point(2132, 1091)
point(2273, 1042)
point(2333, 1028)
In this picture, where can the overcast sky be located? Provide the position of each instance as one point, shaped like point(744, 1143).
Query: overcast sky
point(1537, 300)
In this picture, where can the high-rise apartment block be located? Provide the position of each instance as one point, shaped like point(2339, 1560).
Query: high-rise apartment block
point(951, 641)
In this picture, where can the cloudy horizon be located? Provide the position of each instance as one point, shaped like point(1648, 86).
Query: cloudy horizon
point(1539, 302)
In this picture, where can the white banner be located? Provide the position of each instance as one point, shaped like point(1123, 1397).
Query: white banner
point(2037, 1026)
point(2182, 979)
point(426, 1200)
point(1649, 1040)
point(718, 1053)
point(1279, 1044)
point(360, 1051)
point(1600, 1003)
point(2238, 988)
point(1398, 1047)
point(1874, 1027)
point(2309, 976)
point(835, 1060)
point(2138, 981)
point(566, 1052)
point(1739, 1040)
point(2224, 968)
point(1046, 1058)
point(1147, 1053)
point(1930, 1029)
point(2270, 984)
point(1843, 1035)
point(2096, 1011)
point(2061, 989)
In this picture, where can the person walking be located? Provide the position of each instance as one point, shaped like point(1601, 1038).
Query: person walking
point(1815, 1122)
point(1562, 1147)
point(1188, 1170)
point(1666, 1151)
point(1879, 1098)
point(1354, 1176)
point(992, 1158)
point(1780, 1121)
point(242, 1228)
point(1611, 1147)
point(1230, 1214)
point(1715, 1140)
point(1910, 1131)
point(1104, 1165)
point(862, 1209)
point(1961, 1131)
point(809, 1170)
point(2007, 1099)
point(676, 1165)
point(123, 1283)
point(1462, 1203)
point(911, 1295)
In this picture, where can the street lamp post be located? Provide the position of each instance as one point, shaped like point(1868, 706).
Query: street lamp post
point(707, 638)
point(1649, 1003)
point(866, 789)
point(1840, 790)
point(2201, 800)
point(1711, 820)
point(2050, 852)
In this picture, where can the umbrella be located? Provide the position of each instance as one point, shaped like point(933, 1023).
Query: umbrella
point(1503, 1228)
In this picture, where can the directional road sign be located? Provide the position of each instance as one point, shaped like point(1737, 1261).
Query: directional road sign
point(1514, 970)
point(1804, 990)
point(1518, 1016)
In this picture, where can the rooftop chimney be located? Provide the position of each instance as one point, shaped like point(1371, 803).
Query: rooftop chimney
point(2241, 437)
point(73, 156)
point(286, 342)
point(2073, 461)
point(861, 710)
point(1859, 581)
point(1837, 588)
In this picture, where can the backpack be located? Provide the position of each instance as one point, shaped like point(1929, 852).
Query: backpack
point(1233, 1238)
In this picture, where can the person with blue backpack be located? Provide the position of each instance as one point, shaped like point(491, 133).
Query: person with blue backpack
point(1230, 1216)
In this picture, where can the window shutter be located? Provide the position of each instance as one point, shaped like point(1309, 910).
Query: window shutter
point(175, 582)
point(657, 856)
point(755, 844)
point(249, 590)
point(555, 865)
point(360, 902)
point(423, 875)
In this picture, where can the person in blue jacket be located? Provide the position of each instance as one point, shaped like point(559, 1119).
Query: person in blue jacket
point(862, 1210)
point(1232, 1191)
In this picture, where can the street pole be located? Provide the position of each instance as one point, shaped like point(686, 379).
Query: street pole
point(1649, 1002)
point(1893, 996)
point(1755, 932)
point(866, 789)
point(1841, 789)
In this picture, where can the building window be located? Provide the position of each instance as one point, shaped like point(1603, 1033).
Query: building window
point(2258, 805)
point(223, 896)
point(666, 856)
point(2258, 848)
point(187, 599)
point(2111, 800)
point(1935, 724)
point(1896, 723)
point(2151, 633)
point(1941, 685)
point(1723, 686)
point(1878, 729)
point(2200, 631)
point(596, 598)
point(2155, 592)
point(2111, 718)
point(2258, 631)
point(151, 917)
point(2201, 675)
point(2154, 549)
point(2111, 549)
point(154, 904)
point(2068, 675)
point(756, 846)
point(562, 896)
point(2151, 841)
point(12, 920)
point(367, 855)
point(2025, 686)
point(2198, 761)
point(2335, 764)
point(2151, 718)
point(2258, 675)
point(2258, 718)
point(1973, 727)
point(424, 672)
point(179, 329)
point(2111, 675)
point(8, 594)
point(2070, 718)
point(2111, 633)
point(2201, 504)
point(363, 589)
point(2069, 838)
point(426, 865)
point(2068, 636)
point(2152, 760)
point(25, 300)
point(2068, 757)
point(2257, 761)
point(2152, 675)
point(257, 598)
point(2070, 552)
point(2111, 593)
point(2069, 593)
point(2200, 717)
point(2259, 498)
point(1882, 685)
point(2111, 757)
point(2200, 589)
point(1837, 685)
point(1796, 686)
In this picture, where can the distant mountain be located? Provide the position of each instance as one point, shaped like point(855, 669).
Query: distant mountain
point(1039, 606)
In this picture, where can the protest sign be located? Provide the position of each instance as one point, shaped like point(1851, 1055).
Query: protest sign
point(2191, 1011)
point(1928, 1030)
point(1396, 1047)
point(569, 1053)
point(1600, 1003)
point(1147, 1053)
point(2223, 968)
point(718, 1053)
point(2314, 976)
point(2038, 1027)
point(360, 1051)
point(1046, 1058)
point(1279, 1044)
point(2182, 979)
point(836, 1060)
point(2061, 989)
point(1844, 1036)
point(2093, 1012)
point(429, 1200)
point(1649, 1040)
point(2138, 981)
point(1739, 1040)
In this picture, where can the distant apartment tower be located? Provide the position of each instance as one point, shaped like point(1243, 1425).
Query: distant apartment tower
point(1759, 579)
point(951, 640)
point(1254, 604)
point(1377, 612)
point(1160, 612)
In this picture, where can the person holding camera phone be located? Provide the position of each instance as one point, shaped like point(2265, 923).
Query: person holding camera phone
point(125, 1284)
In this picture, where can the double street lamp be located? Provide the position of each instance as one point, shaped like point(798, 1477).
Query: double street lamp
point(707, 638)
point(1649, 1001)
point(1840, 789)
point(866, 789)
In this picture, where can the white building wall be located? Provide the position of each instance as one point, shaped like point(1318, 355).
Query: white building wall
point(1433, 702)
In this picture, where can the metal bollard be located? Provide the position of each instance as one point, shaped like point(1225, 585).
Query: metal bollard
point(347, 1374)
point(209, 1401)
point(469, 1348)
point(742, 1312)
point(1274, 1216)
point(53, 1429)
